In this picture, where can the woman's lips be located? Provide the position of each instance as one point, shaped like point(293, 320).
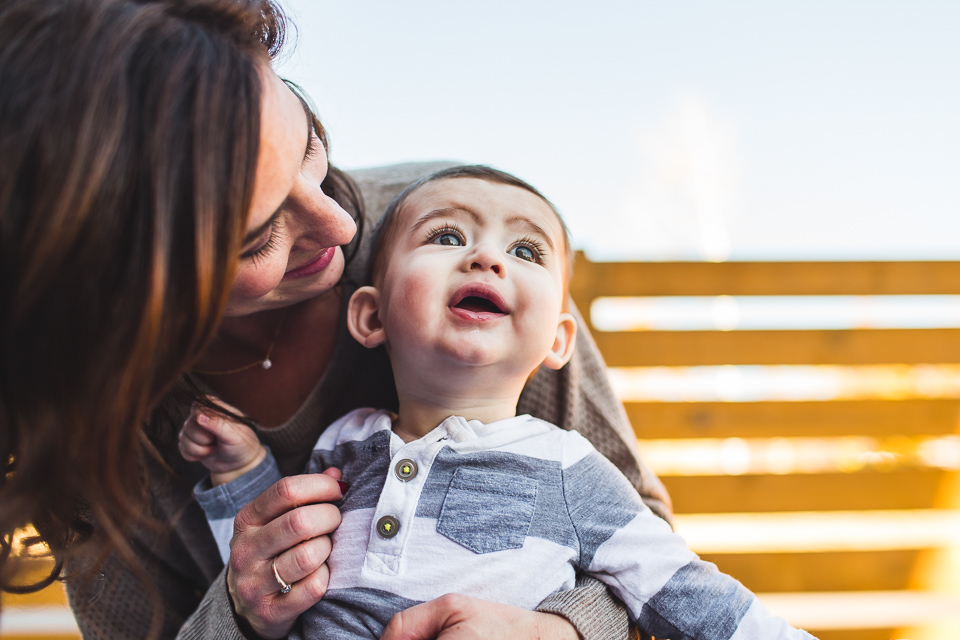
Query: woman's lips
point(318, 264)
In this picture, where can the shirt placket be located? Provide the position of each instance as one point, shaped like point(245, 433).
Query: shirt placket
point(393, 519)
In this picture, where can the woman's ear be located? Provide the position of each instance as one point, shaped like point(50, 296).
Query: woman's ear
point(363, 317)
point(563, 345)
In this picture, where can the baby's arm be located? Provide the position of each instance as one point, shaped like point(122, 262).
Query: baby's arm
point(669, 592)
point(226, 447)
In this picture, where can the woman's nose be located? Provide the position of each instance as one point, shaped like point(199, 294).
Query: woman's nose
point(320, 219)
point(485, 257)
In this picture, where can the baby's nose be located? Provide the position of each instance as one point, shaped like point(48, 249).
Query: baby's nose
point(479, 266)
point(485, 257)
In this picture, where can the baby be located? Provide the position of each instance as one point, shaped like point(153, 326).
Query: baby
point(455, 492)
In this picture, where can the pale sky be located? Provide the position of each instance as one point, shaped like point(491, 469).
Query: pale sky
point(665, 130)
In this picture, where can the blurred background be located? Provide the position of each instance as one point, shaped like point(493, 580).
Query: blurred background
point(767, 202)
point(735, 130)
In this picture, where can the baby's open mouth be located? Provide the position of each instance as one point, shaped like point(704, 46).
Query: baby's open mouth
point(477, 304)
point(479, 300)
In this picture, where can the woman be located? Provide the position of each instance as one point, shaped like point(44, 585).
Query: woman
point(165, 147)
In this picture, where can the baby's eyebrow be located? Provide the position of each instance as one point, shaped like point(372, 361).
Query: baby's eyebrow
point(521, 221)
point(445, 212)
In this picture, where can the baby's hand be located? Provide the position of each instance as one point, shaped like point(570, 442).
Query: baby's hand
point(226, 447)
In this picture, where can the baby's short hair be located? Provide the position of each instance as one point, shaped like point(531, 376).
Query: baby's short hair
point(385, 231)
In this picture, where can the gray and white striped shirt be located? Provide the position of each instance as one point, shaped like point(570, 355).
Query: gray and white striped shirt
point(506, 512)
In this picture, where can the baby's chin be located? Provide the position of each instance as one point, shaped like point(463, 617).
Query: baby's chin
point(496, 360)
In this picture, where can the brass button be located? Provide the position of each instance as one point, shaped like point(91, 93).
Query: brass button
point(406, 470)
point(388, 526)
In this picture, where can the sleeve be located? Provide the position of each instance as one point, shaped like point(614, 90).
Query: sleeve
point(176, 588)
point(222, 503)
point(668, 591)
point(115, 604)
point(214, 617)
point(592, 610)
point(579, 397)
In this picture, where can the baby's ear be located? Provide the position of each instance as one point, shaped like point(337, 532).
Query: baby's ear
point(563, 346)
point(363, 317)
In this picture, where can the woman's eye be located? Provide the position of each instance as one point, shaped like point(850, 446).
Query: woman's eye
point(525, 253)
point(448, 239)
point(264, 249)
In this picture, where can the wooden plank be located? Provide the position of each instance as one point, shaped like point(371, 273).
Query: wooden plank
point(51, 596)
point(595, 279)
point(855, 634)
point(859, 346)
point(21, 636)
point(834, 571)
point(927, 614)
point(900, 489)
point(879, 418)
point(32, 571)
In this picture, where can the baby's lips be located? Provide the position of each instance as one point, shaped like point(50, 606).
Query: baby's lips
point(343, 487)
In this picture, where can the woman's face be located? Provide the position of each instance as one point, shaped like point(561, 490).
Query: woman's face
point(291, 251)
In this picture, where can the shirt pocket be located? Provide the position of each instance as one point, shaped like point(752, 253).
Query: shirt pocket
point(486, 511)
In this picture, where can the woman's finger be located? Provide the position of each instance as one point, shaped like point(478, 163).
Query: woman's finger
point(333, 472)
point(314, 586)
point(288, 523)
point(261, 545)
point(459, 617)
point(303, 560)
point(304, 594)
point(285, 495)
point(293, 527)
point(274, 614)
point(423, 621)
point(254, 587)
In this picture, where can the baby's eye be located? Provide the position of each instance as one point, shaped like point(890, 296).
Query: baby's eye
point(449, 239)
point(526, 252)
point(447, 235)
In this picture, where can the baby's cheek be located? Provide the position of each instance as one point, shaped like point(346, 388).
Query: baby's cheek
point(409, 310)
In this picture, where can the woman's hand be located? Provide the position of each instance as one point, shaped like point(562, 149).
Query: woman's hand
point(290, 524)
point(458, 617)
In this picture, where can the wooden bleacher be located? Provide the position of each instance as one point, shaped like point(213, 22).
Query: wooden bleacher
point(835, 570)
point(43, 615)
point(853, 586)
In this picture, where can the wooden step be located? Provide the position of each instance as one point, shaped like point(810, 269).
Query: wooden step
point(794, 419)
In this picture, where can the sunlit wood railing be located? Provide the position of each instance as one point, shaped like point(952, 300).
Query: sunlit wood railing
point(862, 545)
point(43, 615)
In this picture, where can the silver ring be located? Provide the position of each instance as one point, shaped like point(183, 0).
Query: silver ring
point(284, 585)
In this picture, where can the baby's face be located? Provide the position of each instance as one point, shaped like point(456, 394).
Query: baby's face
point(475, 276)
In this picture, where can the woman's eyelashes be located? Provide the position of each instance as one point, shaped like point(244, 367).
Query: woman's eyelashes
point(314, 147)
point(265, 249)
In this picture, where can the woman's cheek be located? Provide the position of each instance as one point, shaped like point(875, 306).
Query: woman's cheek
point(252, 283)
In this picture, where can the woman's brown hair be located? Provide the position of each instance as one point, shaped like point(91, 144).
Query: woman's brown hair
point(129, 134)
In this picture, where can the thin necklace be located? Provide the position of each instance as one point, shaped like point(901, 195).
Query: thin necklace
point(265, 362)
